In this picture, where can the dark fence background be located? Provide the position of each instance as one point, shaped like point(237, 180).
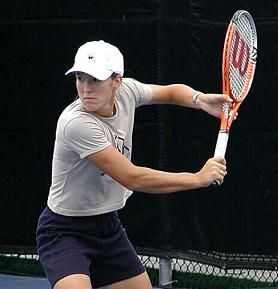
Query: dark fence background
point(163, 42)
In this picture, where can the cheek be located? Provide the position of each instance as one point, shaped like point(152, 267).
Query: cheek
point(78, 87)
point(105, 91)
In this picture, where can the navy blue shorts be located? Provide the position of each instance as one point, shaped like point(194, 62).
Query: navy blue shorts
point(95, 245)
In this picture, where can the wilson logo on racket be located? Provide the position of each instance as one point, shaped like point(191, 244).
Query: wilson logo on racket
point(241, 54)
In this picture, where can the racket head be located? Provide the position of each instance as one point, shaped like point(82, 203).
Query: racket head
point(238, 63)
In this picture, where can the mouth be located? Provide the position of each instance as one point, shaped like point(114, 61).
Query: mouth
point(89, 98)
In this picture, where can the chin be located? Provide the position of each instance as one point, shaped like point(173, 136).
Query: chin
point(90, 108)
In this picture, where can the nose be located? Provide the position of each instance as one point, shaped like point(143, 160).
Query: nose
point(88, 88)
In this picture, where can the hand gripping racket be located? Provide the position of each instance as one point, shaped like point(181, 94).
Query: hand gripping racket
point(238, 68)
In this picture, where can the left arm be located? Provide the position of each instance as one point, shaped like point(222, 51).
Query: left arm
point(180, 94)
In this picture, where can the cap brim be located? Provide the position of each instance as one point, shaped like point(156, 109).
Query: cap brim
point(96, 72)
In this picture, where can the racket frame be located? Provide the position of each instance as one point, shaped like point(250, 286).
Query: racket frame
point(229, 110)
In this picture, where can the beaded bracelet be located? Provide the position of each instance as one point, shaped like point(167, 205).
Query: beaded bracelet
point(195, 97)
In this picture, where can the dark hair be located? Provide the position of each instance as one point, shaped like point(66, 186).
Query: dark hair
point(114, 75)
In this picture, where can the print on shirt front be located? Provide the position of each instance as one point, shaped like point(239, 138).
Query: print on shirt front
point(121, 147)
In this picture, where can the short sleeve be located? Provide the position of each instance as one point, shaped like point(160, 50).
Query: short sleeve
point(142, 92)
point(85, 136)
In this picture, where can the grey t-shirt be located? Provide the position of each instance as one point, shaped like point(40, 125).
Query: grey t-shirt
point(78, 187)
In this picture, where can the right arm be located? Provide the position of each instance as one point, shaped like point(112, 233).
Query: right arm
point(148, 180)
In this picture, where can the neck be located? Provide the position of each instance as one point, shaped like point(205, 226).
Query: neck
point(109, 111)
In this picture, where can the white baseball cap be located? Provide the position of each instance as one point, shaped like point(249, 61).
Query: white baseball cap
point(98, 59)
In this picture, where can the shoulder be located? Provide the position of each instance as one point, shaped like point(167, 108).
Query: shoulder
point(75, 120)
point(76, 111)
point(136, 89)
point(134, 84)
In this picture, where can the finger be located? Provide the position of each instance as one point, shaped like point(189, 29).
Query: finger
point(217, 182)
point(220, 160)
point(228, 98)
point(223, 173)
point(220, 179)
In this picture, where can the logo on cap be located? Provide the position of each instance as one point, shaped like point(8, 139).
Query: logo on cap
point(91, 58)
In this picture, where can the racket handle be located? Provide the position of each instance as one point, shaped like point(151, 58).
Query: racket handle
point(220, 149)
point(221, 144)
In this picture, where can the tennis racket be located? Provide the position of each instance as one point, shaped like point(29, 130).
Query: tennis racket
point(238, 68)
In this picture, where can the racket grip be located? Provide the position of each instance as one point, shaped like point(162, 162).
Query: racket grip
point(220, 150)
point(221, 144)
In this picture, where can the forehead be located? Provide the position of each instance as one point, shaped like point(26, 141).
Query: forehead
point(91, 79)
point(84, 75)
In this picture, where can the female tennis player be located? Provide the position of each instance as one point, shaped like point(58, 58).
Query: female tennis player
point(81, 241)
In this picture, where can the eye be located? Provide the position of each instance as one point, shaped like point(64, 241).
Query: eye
point(91, 79)
point(79, 77)
point(96, 80)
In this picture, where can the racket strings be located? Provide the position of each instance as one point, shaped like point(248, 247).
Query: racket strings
point(240, 52)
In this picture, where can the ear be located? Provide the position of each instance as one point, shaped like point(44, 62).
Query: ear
point(117, 80)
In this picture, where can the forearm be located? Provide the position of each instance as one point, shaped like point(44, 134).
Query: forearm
point(178, 94)
point(155, 181)
point(144, 179)
point(184, 95)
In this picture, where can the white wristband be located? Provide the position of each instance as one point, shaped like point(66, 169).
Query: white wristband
point(195, 97)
